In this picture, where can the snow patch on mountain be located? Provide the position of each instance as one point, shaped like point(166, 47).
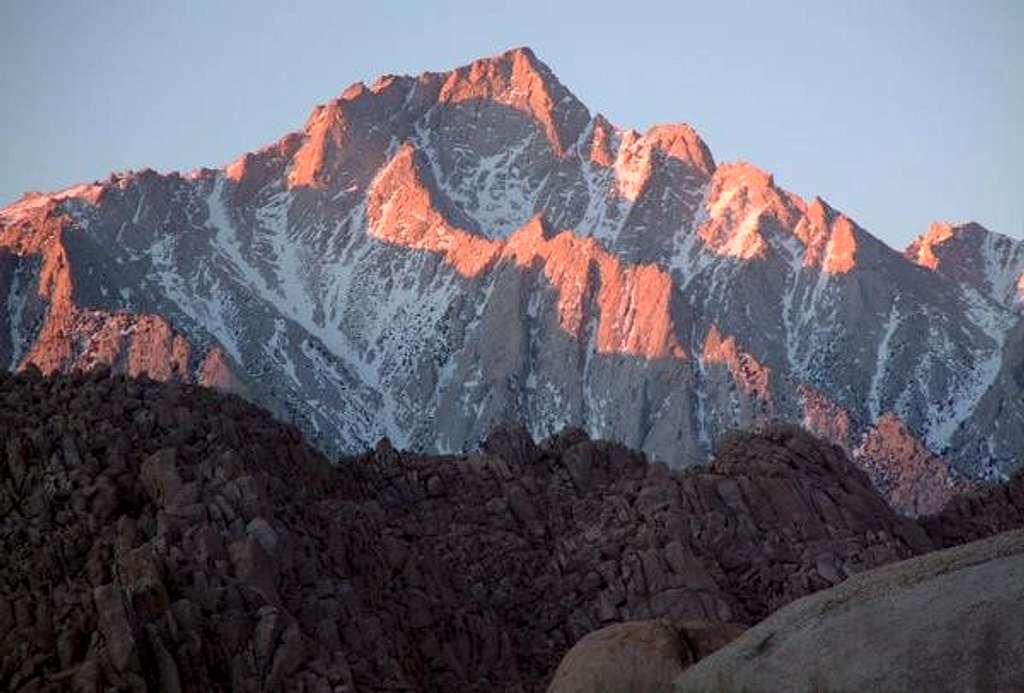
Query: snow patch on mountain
point(882, 361)
point(476, 306)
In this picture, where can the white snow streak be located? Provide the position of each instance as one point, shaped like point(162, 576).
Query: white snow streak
point(882, 362)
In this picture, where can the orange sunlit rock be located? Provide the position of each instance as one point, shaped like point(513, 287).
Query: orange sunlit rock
point(824, 417)
point(72, 337)
point(635, 310)
point(633, 300)
point(829, 238)
point(915, 481)
point(565, 260)
point(601, 142)
point(253, 170)
point(841, 249)
point(634, 159)
point(216, 372)
point(742, 199)
point(681, 142)
point(937, 233)
point(325, 130)
point(513, 79)
point(632, 165)
point(738, 196)
point(745, 369)
point(157, 351)
point(237, 169)
point(401, 212)
point(32, 204)
point(812, 231)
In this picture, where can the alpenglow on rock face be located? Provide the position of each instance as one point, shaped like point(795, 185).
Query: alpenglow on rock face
point(431, 255)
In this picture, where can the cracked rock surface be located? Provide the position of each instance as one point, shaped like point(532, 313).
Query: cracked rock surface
point(162, 536)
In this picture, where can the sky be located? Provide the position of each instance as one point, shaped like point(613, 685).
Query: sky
point(899, 113)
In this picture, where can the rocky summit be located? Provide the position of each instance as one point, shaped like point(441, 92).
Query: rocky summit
point(163, 536)
point(431, 256)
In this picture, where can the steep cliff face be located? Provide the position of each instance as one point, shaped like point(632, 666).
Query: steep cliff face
point(431, 255)
point(50, 326)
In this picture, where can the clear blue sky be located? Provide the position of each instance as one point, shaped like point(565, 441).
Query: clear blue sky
point(899, 113)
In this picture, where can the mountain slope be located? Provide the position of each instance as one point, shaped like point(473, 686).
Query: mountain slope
point(432, 255)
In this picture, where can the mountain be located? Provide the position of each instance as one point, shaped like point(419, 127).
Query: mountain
point(163, 536)
point(432, 255)
point(970, 254)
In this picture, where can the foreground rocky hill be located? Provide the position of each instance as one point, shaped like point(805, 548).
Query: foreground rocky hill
point(949, 621)
point(432, 255)
point(166, 537)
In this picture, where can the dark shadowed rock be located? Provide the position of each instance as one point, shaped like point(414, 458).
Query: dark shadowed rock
point(205, 547)
point(513, 443)
point(160, 478)
point(979, 513)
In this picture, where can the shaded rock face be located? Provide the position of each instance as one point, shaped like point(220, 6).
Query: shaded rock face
point(429, 256)
point(978, 513)
point(952, 620)
point(145, 539)
point(164, 536)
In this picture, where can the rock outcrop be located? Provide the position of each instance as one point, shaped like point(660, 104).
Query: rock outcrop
point(952, 620)
point(163, 536)
point(978, 513)
point(638, 657)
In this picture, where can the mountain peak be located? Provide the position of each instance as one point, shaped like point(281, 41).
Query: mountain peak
point(739, 197)
point(974, 256)
point(431, 254)
point(743, 174)
point(745, 204)
point(922, 249)
point(324, 133)
point(602, 134)
point(925, 250)
point(681, 141)
point(518, 79)
point(523, 56)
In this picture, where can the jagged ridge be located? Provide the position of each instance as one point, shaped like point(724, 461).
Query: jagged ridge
point(432, 255)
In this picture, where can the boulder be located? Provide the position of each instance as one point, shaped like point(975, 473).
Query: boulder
point(637, 656)
point(160, 477)
point(951, 620)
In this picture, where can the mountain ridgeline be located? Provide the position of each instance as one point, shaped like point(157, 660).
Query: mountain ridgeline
point(430, 256)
